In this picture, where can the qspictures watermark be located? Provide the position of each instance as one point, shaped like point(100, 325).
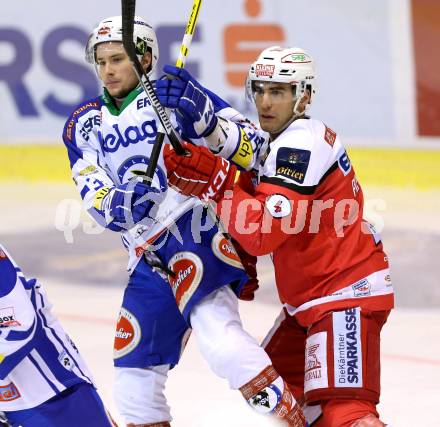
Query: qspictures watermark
point(305, 217)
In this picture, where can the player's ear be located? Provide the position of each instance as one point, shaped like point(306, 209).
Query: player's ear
point(305, 99)
point(146, 61)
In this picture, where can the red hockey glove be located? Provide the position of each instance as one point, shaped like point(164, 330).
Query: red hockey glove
point(249, 262)
point(199, 173)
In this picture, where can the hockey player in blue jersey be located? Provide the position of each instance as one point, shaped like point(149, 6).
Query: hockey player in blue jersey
point(44, 381)
point(184, 272)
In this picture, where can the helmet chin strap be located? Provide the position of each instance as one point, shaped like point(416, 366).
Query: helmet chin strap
point(297, 113)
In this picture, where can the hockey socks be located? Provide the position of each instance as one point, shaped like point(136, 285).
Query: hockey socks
point(267, 393)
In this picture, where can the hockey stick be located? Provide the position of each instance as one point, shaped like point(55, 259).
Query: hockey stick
point(183, 52)
point(128, 14)
point(189, 32)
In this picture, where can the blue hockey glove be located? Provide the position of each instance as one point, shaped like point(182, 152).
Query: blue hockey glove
point(129, 203)
point(194, 108)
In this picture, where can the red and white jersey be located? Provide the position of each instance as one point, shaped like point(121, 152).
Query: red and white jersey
point(307, 211)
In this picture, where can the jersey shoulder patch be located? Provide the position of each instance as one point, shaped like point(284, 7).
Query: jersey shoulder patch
point(292, 163)
point(244, 153)
point(344, 163)
point(329, 136)
point(93, 104)
point(278, 205)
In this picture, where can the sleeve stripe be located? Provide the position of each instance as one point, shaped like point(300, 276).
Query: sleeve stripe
point(40, 370)
point(21, 335)
point(301, 189)
point(27, 284)
point(56, 337)
point(84, 191)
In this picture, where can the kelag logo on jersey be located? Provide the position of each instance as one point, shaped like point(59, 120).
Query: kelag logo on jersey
point(292, 163)
point(131, 135)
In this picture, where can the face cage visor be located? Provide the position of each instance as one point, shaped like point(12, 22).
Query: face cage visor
point(251, 88)
point(112, 51)
point(298, 91)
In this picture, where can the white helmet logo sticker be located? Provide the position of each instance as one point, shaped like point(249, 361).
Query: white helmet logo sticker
point(104, 31)
point(298, 58)
point(264, 70)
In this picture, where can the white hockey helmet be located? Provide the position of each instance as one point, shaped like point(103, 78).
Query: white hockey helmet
point(284, 65)
point(110, 29)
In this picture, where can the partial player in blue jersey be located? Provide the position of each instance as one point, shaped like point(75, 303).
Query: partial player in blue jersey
point(44, 381)
point(184, 271)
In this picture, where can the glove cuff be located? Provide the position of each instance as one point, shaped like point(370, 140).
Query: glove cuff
point(228, 184)
point(211, 127)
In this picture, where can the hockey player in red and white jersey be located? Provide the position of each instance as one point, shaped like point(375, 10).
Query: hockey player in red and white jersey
point(183, 269)
point(306, 210)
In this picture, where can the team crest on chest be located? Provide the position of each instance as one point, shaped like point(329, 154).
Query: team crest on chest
point(136, 166)
point(292, 163)
point(188, 273)
point(224, 250)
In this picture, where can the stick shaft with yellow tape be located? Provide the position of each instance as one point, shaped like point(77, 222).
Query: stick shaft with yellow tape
point(189, 32)
point(183, 53)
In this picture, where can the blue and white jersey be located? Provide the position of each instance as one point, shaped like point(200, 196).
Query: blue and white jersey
point(37, 358)
point(108, 147)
